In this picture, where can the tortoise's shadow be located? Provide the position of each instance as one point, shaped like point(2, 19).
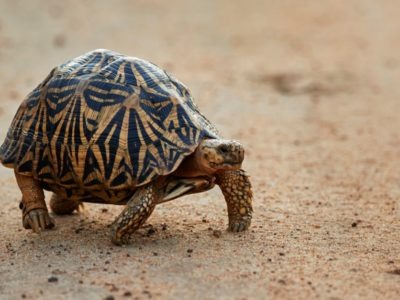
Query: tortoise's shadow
point(75, 234)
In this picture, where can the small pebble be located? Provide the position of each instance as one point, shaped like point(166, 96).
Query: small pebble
point(127, 294)
point(395, 272)
point(217, 233)
point(281, 281)
point(52, 279)
point(189, 250)
point(151, 231)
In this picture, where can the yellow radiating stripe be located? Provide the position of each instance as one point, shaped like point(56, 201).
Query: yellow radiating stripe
point(67, 126)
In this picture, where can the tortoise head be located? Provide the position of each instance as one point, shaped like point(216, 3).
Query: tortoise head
point(219, 155)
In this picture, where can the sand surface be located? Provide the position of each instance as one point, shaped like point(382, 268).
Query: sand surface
point(312, 90)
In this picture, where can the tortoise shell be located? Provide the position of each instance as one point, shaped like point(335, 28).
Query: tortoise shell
point(104, 123)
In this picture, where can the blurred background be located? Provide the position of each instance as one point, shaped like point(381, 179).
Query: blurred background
point(311, 88)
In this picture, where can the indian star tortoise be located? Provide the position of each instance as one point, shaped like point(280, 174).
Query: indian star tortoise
point(109, 128)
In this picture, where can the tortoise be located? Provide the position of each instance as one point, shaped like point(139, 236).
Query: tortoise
point(113, 129)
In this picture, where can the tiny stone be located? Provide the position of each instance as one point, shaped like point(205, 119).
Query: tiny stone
point(127, 294)
point(395, 272)
point(52, 279)
point(189, 250)
point(217, 233)
point(104, 210)
point(151, 231)
point(281, 254)
point(281, 281)
point(155, 253)
point(354, 224)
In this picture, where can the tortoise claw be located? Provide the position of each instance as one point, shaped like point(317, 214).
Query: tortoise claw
point(239, 225)
point(38, 220)
point(118, 239)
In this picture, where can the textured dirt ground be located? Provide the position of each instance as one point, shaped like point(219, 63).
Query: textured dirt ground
point(312, 90)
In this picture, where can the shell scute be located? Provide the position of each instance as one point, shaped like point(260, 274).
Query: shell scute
point(104, 121)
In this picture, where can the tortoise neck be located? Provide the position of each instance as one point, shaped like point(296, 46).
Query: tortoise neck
point(192, 166)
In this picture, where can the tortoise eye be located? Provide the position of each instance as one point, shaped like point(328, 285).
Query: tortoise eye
point(224, 148)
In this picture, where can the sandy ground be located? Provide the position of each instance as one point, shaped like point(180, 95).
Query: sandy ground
point(312, 90)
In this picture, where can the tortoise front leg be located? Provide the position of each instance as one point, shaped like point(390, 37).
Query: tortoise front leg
point(136, 212)
point(35, 215)
point(236, 187)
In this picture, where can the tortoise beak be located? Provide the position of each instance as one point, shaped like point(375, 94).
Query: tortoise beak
point(233, 152)
point(237, 157)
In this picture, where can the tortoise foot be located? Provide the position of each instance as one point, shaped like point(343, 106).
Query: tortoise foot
point(119, 239)
point(38, 220)
point(239, 225)
point(236, 187)
point(62, 206)
point(135, 213)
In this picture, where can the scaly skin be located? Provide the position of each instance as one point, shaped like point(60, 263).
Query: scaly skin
point(236, 187)
point(136, 212)
point(35, 215)
point(61, 206)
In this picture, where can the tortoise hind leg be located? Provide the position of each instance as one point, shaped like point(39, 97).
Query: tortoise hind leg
point(35, 215)
point(63, 206)
point(136, 212)
point(236, 187)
